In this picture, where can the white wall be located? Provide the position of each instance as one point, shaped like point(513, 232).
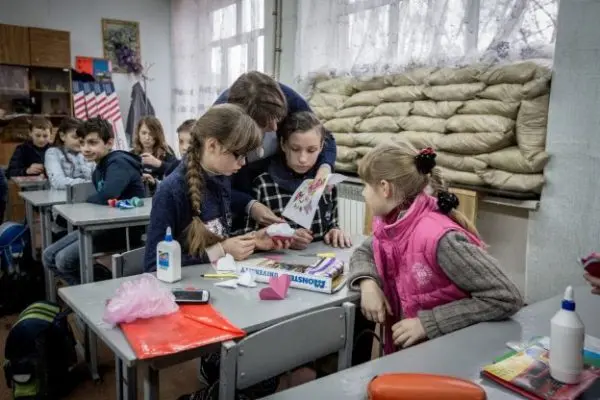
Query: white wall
point(83, 19)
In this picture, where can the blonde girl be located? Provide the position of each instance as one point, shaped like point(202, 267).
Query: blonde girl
point(425, 271)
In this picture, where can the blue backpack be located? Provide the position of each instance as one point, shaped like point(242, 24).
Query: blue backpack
point(14, 239)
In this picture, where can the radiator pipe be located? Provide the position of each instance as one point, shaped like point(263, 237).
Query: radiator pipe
point(278, 32)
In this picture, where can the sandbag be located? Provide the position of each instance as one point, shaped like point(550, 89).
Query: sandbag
point(362, 150)
point(324, 113)
point(509, 73)
point(344, 139)
point(422, 124)
point(536, 88)
point(373, 139)
point(503, 92)
point(342, 85)
point(410, 78)
point(420, 140)
point(435, 109)
point(342, 124)
point(402, 93)
point(345, 154)
point(346, 167)
point(398, 109)
point(512, 159)
point(459, 162)
point(479, 123)
point(461, 177)
point(458, 92)
point(512, 182)
point(493, 107)
point(475, 143)
point(451, 76)
point(378, 124)
point(369, 83)
point(531, 126)
point(358, 111)
point(327, 100)
point(367, 98)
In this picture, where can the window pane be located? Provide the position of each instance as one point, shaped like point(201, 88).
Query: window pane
point(260, 53)
point(253, 15)
point(368, 34)
point(238, 61)
point(215, 61)
point(224, 22)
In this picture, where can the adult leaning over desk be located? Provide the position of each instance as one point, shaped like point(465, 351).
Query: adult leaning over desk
point(268, 102)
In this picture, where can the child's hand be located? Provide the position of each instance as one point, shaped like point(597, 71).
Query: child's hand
point(148, 179)
point(302, 238)
point(35, 169)
point(336, 238)
point(264, 215)
point(408, 332)
point(265, 242)
point(373, 304)
point(149, 159)
point(595, 282)
point(240, 247)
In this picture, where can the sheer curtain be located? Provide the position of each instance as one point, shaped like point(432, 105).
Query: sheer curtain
point(362, 37)
point(213, 42)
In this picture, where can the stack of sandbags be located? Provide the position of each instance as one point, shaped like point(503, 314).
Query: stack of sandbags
point(488, 124)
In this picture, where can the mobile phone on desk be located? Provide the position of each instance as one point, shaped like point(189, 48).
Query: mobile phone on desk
point(199, 296)
point(591, 264)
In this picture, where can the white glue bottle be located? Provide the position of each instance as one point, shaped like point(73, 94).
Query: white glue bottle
point(168, 259)
point(567, 335)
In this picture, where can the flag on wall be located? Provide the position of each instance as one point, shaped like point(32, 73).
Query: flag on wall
point(79, 101)
point(90, 100)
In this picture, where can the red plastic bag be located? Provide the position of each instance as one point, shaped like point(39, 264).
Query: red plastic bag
point(191, 327)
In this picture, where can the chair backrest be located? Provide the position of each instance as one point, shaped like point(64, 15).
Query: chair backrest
point(128, 263)
point(269, 352)
point(79, 192)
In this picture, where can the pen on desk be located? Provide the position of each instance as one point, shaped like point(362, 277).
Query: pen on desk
point(219, 275)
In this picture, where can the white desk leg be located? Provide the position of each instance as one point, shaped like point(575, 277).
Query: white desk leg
point(46, 227)
point(31, 222)
point(151, 387)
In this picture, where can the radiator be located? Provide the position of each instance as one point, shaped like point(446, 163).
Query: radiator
point(351, 208)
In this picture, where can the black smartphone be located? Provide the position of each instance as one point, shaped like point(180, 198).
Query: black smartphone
point(191, 296)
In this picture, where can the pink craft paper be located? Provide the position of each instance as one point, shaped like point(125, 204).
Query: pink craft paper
point(277, 289)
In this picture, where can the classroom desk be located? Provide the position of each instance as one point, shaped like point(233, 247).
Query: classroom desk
point(27, 183)
point(241, 306)
point(43, 200)
point(462, 354)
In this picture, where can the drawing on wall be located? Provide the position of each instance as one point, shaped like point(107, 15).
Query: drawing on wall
point(121, 42)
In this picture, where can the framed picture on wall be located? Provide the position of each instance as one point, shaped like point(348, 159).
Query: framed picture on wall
point(121, 43)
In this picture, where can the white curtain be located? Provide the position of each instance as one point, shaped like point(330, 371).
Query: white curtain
point(362, 37)
point(213, 42)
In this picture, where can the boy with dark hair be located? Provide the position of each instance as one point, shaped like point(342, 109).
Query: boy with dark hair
point(118, 175)
point(28, 158)
point(184, 132)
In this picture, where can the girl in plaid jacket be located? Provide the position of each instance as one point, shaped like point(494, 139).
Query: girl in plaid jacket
point(301, 137)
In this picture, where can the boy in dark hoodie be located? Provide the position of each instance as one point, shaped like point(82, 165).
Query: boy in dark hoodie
point(28, 158)
point(118, 175)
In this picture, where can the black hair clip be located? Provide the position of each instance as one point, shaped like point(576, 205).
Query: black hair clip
point(425, 160)
point(447, 202)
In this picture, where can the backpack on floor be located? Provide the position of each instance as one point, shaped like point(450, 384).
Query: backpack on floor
point(40, 353)
point(14, 239)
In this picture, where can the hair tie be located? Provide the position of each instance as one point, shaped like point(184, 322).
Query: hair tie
point(447, 202)
point(425, 160)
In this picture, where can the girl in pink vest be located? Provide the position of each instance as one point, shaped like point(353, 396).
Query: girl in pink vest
point(424, 272)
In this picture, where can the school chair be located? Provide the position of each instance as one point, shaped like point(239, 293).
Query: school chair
point(128, 263)
point(269, 352)
point(468, 203)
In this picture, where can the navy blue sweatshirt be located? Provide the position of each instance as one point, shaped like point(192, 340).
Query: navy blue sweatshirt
point(25, 154)
point(171, 207)
point(242, 181)
point(117, 176)
point(168, 162)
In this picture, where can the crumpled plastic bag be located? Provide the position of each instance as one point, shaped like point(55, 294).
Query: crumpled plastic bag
point(144, 297)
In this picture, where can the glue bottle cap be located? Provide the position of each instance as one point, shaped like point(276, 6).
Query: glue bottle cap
point(568, 302)
point(169, 235)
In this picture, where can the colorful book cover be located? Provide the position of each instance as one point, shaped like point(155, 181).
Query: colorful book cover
point(528, 373)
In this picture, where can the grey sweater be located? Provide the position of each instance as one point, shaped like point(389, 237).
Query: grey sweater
point(66, 168)
point(493, 296)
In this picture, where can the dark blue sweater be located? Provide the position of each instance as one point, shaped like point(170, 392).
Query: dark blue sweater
point(171, 207)
point(25, 154)
point(117, 176)
point(242, 181)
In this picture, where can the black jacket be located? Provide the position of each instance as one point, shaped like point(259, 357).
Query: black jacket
point(117, 176)
point(25, 154)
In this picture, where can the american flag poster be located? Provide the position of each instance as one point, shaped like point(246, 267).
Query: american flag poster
point(79, 101)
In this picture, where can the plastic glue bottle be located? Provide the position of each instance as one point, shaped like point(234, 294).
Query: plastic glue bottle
point(567, 335)
point(168, 259)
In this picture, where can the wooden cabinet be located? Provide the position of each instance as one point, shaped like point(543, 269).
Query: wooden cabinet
point(14, 45)
point(50, 48)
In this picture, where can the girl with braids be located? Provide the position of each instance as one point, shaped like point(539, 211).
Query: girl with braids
point(425, 271)
point(195, 199)
point(64, 163)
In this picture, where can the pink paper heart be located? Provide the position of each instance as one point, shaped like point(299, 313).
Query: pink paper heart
point(277, 289)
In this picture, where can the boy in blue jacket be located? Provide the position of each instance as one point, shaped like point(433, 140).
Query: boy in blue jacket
point(268, 103)
point(118, 175)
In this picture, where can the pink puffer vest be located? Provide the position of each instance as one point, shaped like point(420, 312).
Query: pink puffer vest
point(406, 260)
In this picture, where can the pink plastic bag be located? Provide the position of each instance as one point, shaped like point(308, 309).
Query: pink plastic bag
point(144, 297)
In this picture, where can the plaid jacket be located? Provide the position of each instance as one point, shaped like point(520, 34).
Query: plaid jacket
point(271, 194)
